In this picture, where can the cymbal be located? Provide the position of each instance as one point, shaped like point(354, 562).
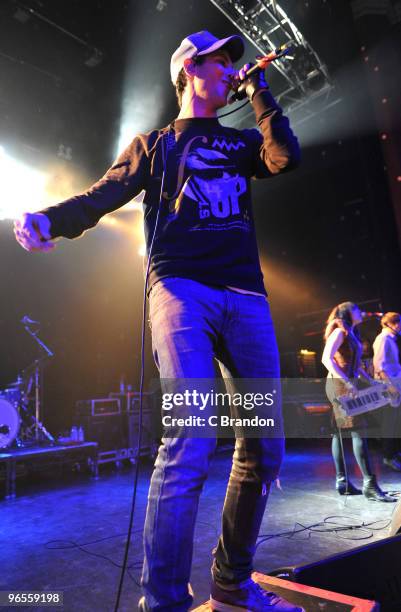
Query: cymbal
point(17, 383)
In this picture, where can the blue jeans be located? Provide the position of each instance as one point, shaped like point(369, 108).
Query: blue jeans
point(192, 324)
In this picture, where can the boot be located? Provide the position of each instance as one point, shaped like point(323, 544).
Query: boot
point(345, 487)
point(373, 492)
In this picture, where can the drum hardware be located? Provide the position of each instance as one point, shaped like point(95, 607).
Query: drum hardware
point(32, 328)
point(21, 401)
point(9, 423)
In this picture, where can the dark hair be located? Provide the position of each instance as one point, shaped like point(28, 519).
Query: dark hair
point(340, 316)
point(182, 80)
point(180, 85)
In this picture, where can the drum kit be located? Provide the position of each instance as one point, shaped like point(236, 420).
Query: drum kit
point(21, 401)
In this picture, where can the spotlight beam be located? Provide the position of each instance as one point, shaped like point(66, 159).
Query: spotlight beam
point(31, 190)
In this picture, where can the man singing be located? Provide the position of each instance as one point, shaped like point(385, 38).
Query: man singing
point(207, 301)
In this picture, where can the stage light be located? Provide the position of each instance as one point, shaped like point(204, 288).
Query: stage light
point(23, 189)
point(127, 133)
point(146, 71)
point(129, 225)
point(139, 111)
point(111, 221)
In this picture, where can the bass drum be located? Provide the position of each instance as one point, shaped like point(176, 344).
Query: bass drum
point(9, 423)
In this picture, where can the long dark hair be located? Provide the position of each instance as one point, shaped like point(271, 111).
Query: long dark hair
point(341, 316)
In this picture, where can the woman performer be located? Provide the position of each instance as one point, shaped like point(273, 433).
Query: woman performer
point(342, 358)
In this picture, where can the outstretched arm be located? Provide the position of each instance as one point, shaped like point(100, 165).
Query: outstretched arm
point(123, 181)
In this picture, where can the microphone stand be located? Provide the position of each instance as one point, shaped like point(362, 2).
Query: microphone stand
point(39, 427)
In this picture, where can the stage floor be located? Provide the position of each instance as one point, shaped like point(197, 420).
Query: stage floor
point(75, 509)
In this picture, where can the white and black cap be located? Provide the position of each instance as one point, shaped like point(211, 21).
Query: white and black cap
point(202, 43)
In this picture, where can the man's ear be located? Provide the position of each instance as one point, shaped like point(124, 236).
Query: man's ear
point(189, 67)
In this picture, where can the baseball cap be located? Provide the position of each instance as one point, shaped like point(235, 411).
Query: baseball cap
point(202, 43)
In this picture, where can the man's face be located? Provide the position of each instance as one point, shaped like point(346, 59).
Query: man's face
point(213, 78)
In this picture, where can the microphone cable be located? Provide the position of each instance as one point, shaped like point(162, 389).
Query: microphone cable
point(165, 153)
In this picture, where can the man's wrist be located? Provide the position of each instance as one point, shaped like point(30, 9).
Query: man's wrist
point(264, 103)
point(255, 91)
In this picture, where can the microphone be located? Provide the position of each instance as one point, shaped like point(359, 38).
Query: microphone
point(261, 63)
point(28, 321)
point(372, 315)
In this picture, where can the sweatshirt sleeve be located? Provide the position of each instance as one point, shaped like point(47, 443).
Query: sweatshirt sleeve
point(380, 354)
point(126, 178)
point(276, 149)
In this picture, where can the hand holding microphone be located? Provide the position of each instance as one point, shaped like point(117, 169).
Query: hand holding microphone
point(251, 78)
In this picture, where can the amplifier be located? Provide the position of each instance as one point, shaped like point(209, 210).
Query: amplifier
point(118, 433)
point(149, 436)
point(371, 572)
point(307, 363)
point(97, 407)
point(129, 401)
point(108, 430)
point(124, 399)
point(395, 527)
point(148, 401)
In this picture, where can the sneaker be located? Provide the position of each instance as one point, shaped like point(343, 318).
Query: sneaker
point(394, 463)
point(248, 596)
point(142, 605)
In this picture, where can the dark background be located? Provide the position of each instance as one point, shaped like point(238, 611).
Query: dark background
point(327, 231)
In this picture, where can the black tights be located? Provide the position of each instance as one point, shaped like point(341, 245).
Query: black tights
point(361, 453)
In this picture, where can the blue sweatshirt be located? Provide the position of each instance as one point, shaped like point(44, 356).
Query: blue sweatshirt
point(206, 228)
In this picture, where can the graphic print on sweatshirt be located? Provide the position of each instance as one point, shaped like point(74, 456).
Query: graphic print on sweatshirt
point(213, 185)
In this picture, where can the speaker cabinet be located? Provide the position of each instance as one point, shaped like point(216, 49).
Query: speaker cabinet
point(370, 572)
point(395, 526)
point(148, 437)
point(109, 431)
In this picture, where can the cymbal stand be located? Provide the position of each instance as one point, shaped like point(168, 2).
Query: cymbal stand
point(37, 378)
